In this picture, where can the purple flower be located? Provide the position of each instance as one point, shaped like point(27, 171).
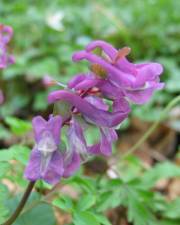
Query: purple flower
point(47, 161)
point(104, 147)
point(100, 117)
point(91, 81)
point(108, 135)
point(135, 81)
point(112, 78)
point(83, 82)
point(94, 111)
point(80, 150)
point(77, 148)
point(6, 33)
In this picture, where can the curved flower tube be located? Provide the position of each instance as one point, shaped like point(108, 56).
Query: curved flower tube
point(144, 72)
point(83, 82)
point(117, 57)
point(96, 116)
point(118, 77)
point(136, 81)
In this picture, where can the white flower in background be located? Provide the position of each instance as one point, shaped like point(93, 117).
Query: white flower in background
point(54, 20)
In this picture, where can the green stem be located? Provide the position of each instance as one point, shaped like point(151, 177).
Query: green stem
point(52, 192)
point(152, 128)
point(21, 204)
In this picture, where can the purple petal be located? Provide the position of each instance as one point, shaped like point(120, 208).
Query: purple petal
point(95, 149)
point(110, 90)
point(104, 147)
point(122, 64)
point(76, 138)
point(121, 105)
point(115, 75)
point(32, 171)
point(83, 82)
point(76, 80)
point(97, 116)
point(6, 33)
point(87, 84)
point(54, 125)
point(72, 166)
point(147, 72)
point(108, 136)
point(77, 147)
point(106, 47)
point(55, 169)
point(39, 125)
point(127, 67)
point(143, 95)
point(97, 102)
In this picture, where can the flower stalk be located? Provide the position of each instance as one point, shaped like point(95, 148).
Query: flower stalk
point(21, 204)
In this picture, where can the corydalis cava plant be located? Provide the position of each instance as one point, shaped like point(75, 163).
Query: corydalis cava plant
point(113, 79)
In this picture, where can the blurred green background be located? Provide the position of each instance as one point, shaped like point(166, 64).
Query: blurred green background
point(46, 33)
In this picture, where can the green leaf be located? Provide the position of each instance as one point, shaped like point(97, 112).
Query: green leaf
point(4, 133)
point(3, 209)
point(138, 211)
point(85, 218)
point(41, 214)
point(109, 199)
point(18, 152)
point(18, 126)
point(160, 171)
point(44, 66)
point(40, 102)
point(4, 168)
point(6, 155)
point(172, 210)
point(103, 220)
point(84, 182)
point(86, 202)
point(63, 202)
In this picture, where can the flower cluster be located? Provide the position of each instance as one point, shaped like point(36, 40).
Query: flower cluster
point(6, 33)
point(101, 97)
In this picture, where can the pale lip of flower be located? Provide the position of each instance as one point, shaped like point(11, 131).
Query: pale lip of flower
point(46, 143)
